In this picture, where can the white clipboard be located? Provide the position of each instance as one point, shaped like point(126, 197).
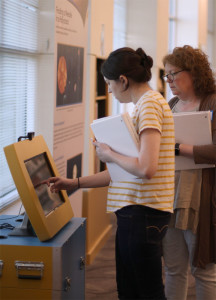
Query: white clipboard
point(119, 133)
point(192, 128)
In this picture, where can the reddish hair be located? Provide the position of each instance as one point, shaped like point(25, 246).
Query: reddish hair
point(196, 62)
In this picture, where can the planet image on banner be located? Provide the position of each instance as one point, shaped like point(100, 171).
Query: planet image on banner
point(69, 79)
point(62, 74)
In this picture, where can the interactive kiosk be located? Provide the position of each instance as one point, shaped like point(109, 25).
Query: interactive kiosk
point(44, 256)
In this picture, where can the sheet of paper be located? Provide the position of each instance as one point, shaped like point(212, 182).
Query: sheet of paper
point(193, 128)
point(115, 132)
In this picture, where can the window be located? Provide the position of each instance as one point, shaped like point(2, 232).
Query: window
point(172, 24)
point(172, 35)
point(119, 40)
point(18, 75)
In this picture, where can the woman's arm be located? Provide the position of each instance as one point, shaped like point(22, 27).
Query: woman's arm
point(97, 180)
point(143, 166)
point(93, 181)
point(205, 154)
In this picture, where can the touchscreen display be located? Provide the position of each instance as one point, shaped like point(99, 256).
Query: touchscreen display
point(39, 170)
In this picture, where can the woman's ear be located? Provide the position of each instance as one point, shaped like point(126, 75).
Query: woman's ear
point(124, 81)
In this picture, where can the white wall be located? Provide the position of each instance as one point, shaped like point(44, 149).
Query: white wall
point(45, 90)
point(202, 24)
point(141, 25)
point(119, 23)
point(146, 27)
point(214, 41)
point(101, 27)
point(162, 31)
point(211, 38)
point(187, 18)
point(100, 44)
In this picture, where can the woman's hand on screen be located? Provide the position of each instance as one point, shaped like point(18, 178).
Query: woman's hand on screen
point(59, 183)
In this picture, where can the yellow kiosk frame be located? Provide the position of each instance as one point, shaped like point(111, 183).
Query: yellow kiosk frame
point(44, 225)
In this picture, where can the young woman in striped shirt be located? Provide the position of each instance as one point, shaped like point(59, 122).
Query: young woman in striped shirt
point(143, 204)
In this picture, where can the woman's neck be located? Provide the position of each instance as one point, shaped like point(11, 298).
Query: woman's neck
point(188, 105)
point(138, 90)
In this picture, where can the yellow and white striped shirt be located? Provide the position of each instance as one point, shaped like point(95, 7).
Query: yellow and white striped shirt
point(151, 111)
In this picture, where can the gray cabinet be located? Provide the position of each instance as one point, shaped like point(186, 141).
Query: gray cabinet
point(54, 269)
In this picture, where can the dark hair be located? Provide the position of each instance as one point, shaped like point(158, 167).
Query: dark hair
point(128, 62)
point(196, 62)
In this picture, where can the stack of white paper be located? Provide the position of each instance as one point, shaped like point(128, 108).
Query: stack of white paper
point(119, 133)
point(192, 128)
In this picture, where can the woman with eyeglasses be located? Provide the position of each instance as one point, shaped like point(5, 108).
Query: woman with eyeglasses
point(190, 241)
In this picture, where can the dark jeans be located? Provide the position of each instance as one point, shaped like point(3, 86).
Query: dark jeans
point(138, 252)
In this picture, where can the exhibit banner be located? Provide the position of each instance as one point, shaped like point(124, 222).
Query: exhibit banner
point(69, 113)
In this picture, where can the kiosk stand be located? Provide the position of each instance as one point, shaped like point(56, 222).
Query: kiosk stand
point(54, 269)
point(44, 258)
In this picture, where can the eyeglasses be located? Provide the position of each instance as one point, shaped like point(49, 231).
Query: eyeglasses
point(170, 76)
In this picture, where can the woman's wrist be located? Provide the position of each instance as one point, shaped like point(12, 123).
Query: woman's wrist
point(78, 182)
point(186, 150)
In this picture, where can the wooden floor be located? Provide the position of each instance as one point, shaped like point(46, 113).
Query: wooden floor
point(100, 275)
